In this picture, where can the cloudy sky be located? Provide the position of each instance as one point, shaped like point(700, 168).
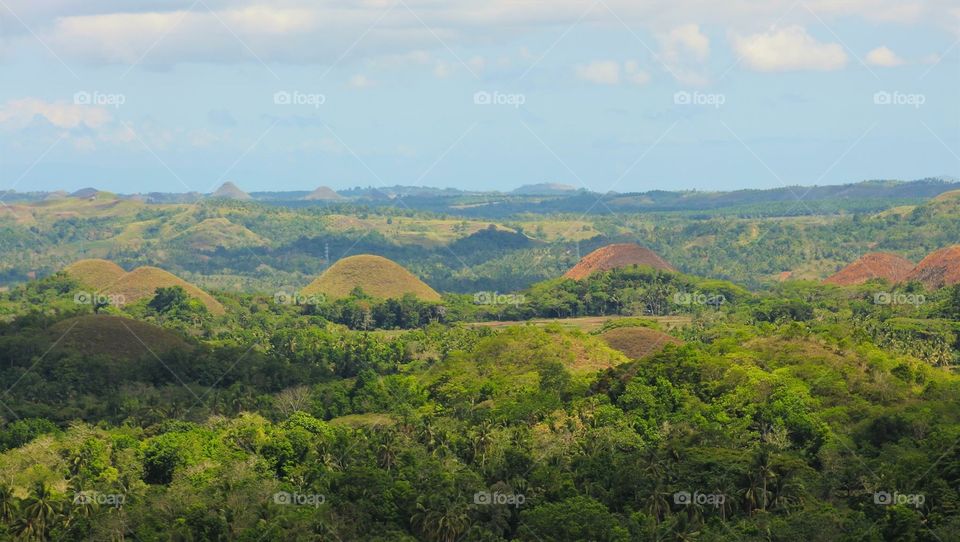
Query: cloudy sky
point(178, 95)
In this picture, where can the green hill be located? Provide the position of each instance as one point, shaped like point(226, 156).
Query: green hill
point(113, 336)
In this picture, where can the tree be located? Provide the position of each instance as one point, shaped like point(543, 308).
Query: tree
point(168, 300)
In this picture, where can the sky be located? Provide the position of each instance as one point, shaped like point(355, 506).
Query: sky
point(182, 95)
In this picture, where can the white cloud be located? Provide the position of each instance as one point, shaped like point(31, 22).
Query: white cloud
point(361, 81)
point(635, 75)
point(884, 58)
point(21, 113)
point(683, 50)
point(601, 72)
point(442, 69)
point(788, 49)
point(319, 31)
point(610, 72)
point(477, 63)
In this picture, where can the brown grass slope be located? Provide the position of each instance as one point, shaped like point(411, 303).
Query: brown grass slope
point(939, 269)
point(113, 336)
point(637, 342)
point(616, 256)
point(143, 282)
point(375, 275)
point(95, 273)
point(875, 265)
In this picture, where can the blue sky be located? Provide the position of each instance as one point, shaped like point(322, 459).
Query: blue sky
point(178, 95)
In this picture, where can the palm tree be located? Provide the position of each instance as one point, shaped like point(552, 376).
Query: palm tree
point(8, 504)
point(40, 511)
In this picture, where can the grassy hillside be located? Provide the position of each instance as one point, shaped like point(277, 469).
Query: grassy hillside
point(375, 275)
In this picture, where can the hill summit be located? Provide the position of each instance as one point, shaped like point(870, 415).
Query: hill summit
point(375, 275)
point(228, 190)
point(614, 257)
point(875, 265)
point(108, 278)
point(323, 193)
point(95, 273)
point(939, 269)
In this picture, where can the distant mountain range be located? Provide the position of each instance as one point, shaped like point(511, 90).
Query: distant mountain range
point(554, 197)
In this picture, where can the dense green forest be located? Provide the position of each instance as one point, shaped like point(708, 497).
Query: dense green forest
point(738, 398)
point(798, 412)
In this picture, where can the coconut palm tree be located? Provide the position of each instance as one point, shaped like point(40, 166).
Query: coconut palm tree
point(40, 512)
point(8, 504)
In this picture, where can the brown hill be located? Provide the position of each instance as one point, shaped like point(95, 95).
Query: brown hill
point(876, 265)
point(228, 190)
point(375, 275)
point(939, 269)
point(113, 336)
point(143, 282)
point(637, 342)
point(323, 193)
point(616, 256)
point(95, 273)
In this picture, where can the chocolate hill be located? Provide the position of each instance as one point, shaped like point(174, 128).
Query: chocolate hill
point(95, 273)
point(614, 257)
point(108, 278)
point(875, 265)
point(323, 193)
point(375, 275)
point(114, 336)
point(228, 190)
point(939, 269)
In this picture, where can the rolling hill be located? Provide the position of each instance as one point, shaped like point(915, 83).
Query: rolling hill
point(143, 282)
point(215, 233)
point(114, 336)
point(375, 275)
point(95, 273)
point(323, 193)
point(616, 256)
point(939, 269)
point(228, 190)
point(876, 265)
